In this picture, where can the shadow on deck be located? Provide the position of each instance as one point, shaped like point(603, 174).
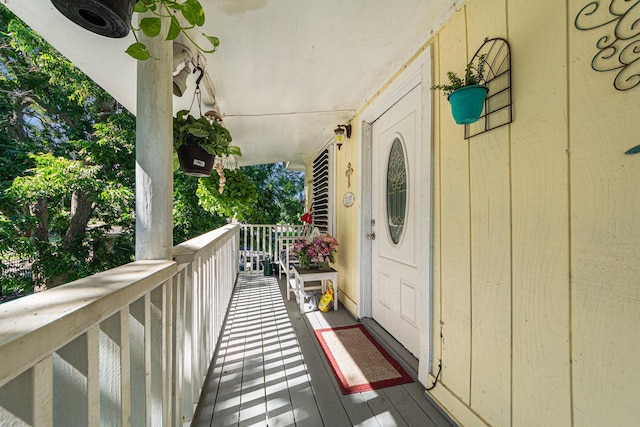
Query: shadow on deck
point(270, 371)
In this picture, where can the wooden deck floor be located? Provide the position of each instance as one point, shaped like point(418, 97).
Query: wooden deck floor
point(270, 371)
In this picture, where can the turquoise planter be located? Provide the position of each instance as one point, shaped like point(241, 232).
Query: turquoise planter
point(467, 102)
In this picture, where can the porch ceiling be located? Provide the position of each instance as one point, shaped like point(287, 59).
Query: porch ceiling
point(287, 71)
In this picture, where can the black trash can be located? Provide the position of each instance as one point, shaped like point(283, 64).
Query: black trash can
point(267, 268)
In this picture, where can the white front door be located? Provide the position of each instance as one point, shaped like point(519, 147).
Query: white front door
point(395, 199)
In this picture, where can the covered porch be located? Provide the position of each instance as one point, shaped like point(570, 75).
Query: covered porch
point(187, 342)
point(270, 369)
point(528, 234)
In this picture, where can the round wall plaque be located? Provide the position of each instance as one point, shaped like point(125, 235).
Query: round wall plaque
point(348, 199)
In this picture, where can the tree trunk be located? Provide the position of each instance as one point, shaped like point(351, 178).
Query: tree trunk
point(40, 209)
point(81, 209)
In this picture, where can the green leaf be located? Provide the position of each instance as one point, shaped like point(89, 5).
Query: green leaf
point(180, 115)
point(193, 12)
point(174, 28)
point(150, 26)
point(199, 133)
point(215, 42)
point(140, 7)
point(138, 51)
point(235, 150)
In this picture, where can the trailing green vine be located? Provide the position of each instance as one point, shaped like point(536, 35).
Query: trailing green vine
point(238, 200)
point(166, 11)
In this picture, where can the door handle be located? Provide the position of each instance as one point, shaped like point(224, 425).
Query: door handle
point(371, 236)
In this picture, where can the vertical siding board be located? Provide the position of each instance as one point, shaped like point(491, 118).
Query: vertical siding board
point(455, 251)
point(491, 277)
point(437, 217)
point(541, 305)
point(605, 233)
point(490, 188)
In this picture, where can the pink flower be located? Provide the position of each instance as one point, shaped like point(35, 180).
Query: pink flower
point(318, 249)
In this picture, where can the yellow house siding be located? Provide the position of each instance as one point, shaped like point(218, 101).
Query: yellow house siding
point(490, 276)
point(541, 376)
point(605, 239)
point(347, 224)
point(455, 251)
point(536, 230)
point(490, 237)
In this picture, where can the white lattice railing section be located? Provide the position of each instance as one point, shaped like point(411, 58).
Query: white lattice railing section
point(129, 346)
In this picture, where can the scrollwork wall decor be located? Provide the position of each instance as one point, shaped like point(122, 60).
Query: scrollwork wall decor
point(619, 47)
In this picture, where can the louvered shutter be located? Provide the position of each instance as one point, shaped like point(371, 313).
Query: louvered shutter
point(322, 193)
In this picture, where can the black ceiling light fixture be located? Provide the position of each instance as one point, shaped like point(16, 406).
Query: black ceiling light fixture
point(340, 132)
point(110, 18)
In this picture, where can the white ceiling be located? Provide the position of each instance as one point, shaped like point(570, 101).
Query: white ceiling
point(287, 71)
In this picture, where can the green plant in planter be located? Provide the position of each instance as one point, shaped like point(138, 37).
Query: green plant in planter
point(473, 75)
point(166, 11)
point(206, 133)
point(467, 95)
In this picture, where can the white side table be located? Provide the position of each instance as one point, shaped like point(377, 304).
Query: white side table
point(300, 276)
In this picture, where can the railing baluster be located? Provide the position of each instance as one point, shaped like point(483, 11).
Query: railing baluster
point(93, 377)
point(167, 351)
point(42, 392)
point(125, 366)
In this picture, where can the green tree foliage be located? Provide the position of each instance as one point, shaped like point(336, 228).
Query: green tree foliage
point(280, 194)
point(67, 171)
point(66, 165)
point(190, 219)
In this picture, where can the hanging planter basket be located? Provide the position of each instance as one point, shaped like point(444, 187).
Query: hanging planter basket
point(110, 18)
point(195, 160)
point(467, 103)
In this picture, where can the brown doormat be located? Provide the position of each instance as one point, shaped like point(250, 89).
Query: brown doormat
point(358, 361)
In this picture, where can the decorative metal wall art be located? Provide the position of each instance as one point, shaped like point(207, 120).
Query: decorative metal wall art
point(619, 46)
point(498, 105)
point(633, 150)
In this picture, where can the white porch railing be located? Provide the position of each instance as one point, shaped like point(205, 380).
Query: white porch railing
point(259, 242)
point(129, 346)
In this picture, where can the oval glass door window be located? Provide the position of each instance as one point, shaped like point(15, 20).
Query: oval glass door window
point(396, 191)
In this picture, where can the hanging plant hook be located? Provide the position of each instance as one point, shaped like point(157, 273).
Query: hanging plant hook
point(199, 68)
point(197, 93)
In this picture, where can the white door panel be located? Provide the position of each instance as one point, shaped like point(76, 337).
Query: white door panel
point(395, 213)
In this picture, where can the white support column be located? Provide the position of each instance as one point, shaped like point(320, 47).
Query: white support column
point(154, 153)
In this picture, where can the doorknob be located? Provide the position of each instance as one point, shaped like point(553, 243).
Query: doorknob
point(371, 236)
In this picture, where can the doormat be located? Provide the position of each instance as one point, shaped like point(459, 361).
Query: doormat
point(358, 361)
